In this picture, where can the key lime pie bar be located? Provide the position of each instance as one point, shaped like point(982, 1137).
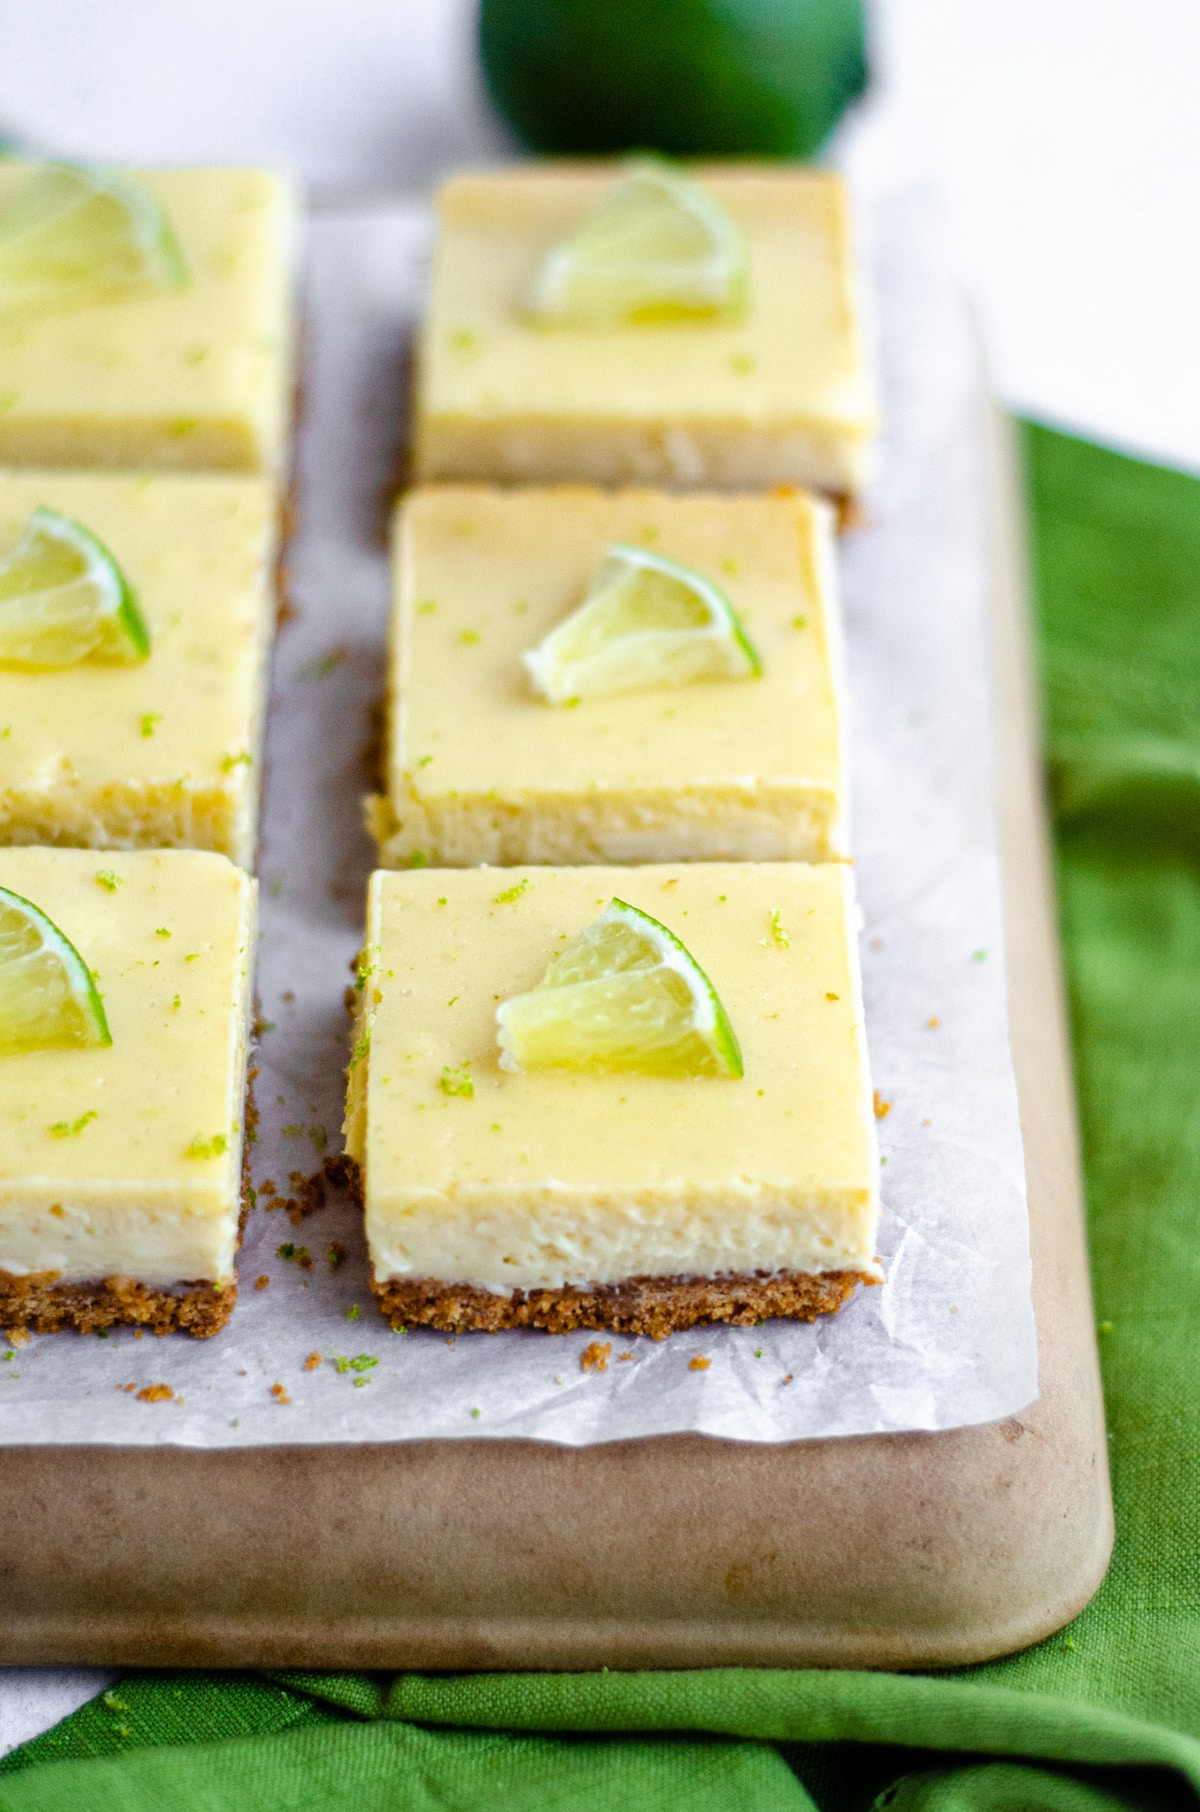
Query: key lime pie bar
point(641, 326)
point(125, 1002)
point(145, 317)
point(506, 743)
point(149, 738)
point(674, 1127)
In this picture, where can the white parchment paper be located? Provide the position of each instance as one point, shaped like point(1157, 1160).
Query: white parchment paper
point(949, 1339)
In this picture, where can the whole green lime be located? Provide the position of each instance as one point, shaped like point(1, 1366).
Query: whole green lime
point(689, 77)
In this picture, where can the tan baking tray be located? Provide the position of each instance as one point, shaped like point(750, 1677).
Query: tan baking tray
point(891, 1551)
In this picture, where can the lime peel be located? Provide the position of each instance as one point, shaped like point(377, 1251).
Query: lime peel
point(64, 599)
point(48, 996)
point(656, 250)
point(73, 236)
point(626, 995)
point(646, 621)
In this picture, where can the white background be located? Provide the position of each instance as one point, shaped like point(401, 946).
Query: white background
point(1063, 136)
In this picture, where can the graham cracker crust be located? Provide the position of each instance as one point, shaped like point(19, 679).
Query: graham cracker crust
point(37, 1304)
point(657, 1306)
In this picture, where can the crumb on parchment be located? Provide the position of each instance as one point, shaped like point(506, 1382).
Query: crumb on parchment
point(312, 1362)
point(699, 1363)
point(882, 1108)
point(280, 1394)
point(154, 1393)
point(594, 1357)
point(260, 1283)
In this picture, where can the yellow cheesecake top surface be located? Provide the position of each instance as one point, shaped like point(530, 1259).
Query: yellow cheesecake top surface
point(198, 551)
point(212, 348)
point(795, 357)
point(484, 574)
point(168, 934)
point(444, 947)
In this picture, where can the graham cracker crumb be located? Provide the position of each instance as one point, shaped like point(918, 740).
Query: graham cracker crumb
point(594, 1358)
point(260, 1283)
point(312, 1362)
point(657, 1306)
point(882, 1108)
point(155, 1393)
point(280, 1394)
point(622, 1356)
point(267, 1187)
point(699, 1363)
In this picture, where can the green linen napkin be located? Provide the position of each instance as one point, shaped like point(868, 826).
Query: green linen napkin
point(1105, 1715)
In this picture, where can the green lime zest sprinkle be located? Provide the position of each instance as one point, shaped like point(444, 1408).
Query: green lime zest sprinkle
point(292, 1253)
point(512, 893)
point(71, 1129)
point(778, 934)
point(353, 1312)
point(418, 859)
point(161, 931)
point(456, 1080)
point(363, 1363)
point(799, 622)
point(229, 762)
point(149, 721)
point(361, 1046)
point(106, 878)
point(207, 1148)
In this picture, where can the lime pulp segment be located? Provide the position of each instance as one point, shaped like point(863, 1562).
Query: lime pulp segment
point(48, 997)
point(646, 621)
point(64, 599)
point(658, 248)
point(626, 995)
point(74, 235)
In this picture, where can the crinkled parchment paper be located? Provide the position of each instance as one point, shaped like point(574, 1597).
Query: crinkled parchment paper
point(949, 1339)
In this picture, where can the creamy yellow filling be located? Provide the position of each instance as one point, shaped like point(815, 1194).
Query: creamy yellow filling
point(481, 770)
point(193, 378)
point(165, 751)
point(478, 1176)
point(782, 395)
point(126, 1159)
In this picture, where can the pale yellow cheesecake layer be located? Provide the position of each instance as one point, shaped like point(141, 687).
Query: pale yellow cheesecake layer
point(480, 769)
point(125, 1160)
point(194, 378)
point(782, 396)
point(163, 752)
point(550, 1178)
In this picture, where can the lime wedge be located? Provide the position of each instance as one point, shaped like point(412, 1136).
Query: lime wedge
point(64, 599)
point(646, 621)
point(47, 995)
point(73, 236)
point(657, 249)
point(626, 995)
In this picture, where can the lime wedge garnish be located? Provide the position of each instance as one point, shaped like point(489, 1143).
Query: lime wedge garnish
point(64, 599)
point(72, 236)
point(658, 248)
point(626, 995)
point(47, 995)
point(646, 621)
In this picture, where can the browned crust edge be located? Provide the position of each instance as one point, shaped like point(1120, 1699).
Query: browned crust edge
point(36, 1304)
point(657, 1306)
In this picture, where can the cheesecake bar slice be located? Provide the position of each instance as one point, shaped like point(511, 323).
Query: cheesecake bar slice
point(561, 1199)
point(121, 1164)
point(161, 752)
point(781, 395)
point(197, 376)
point(480, 769)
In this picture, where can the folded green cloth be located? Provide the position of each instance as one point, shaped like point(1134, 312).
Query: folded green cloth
point(1105, 1715)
